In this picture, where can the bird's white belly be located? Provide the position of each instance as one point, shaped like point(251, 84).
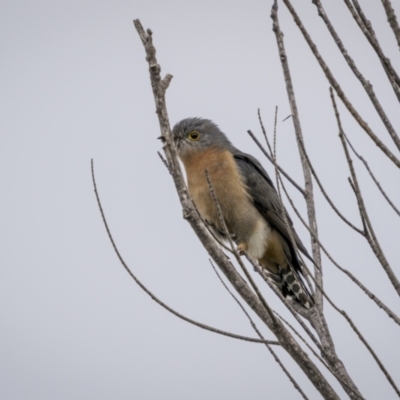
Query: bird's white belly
point(256, 244)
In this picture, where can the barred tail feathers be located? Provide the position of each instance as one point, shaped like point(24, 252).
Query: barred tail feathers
point(296, 288)
point(291, 285)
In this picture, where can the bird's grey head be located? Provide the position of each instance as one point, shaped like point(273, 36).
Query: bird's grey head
point(192, 135)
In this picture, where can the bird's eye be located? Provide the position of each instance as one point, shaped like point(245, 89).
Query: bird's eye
point(194, 135)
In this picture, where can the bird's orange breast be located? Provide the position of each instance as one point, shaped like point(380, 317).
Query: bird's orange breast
point(225, 179)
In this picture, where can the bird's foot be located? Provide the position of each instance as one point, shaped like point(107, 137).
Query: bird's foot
point(242, 248)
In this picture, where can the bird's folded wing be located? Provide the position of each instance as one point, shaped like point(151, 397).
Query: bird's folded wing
point(265, 197)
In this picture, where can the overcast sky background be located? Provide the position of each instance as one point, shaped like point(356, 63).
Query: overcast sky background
point(74, 85)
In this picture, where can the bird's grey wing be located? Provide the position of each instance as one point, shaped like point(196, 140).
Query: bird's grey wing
point(265, 197)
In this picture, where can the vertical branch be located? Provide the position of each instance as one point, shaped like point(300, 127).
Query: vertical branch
point(309, 196)
point(317, 318)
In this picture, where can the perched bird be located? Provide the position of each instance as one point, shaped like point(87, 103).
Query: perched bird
point(248, 201)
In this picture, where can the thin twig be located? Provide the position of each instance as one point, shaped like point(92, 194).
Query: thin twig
point(284, 119)
point(156, 299)
point(372, 352)
point(284, 173)
point(263, 129)
point(164, 161)
point(396, 210)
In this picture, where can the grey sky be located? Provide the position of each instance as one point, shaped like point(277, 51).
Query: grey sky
point(74, 85)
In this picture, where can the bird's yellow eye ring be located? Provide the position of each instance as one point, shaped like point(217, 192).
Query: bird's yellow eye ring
point(194, 135)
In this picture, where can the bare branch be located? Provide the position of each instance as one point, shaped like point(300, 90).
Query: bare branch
point(392, 19)
point(164, 161)
point(396, 210)
point(284, 173)
point(263, 129)
point(338, 89)
point(360, 208)
point(366, 344)
point(284, 119)
point(309, 196)
point(372, 352)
